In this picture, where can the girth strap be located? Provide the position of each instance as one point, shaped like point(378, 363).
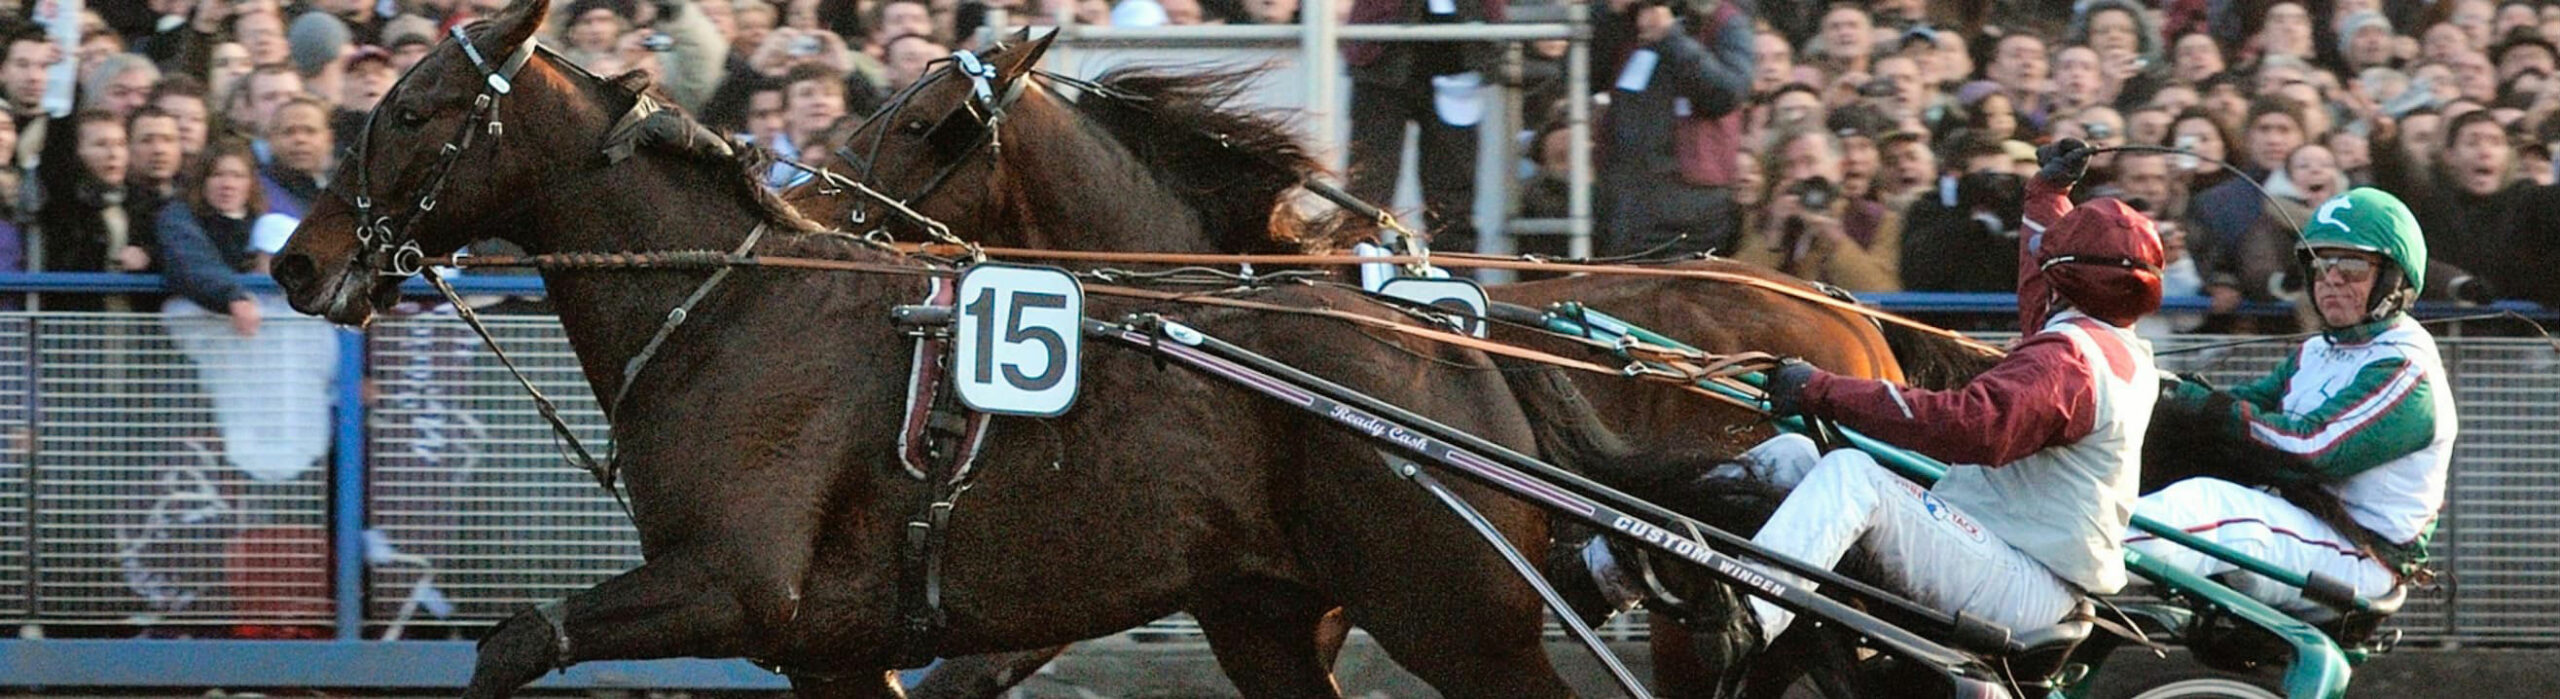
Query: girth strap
point(938, 444)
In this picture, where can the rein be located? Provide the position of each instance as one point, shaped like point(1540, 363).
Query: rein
point(1706, 367)
point(1809, 295)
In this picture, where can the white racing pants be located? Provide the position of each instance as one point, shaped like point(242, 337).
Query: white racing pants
point(1927, 550)
point(2262, 525)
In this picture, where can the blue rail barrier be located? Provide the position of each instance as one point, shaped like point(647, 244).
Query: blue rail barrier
point(347, 659)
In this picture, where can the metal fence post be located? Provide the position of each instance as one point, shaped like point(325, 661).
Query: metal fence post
point(1320, 50)
point(1497, 162)
point(347, 478)
point(35, 454)
point(2450, 516)
point(1577, 117)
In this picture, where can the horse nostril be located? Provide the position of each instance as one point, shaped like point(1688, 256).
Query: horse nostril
point(294, 270)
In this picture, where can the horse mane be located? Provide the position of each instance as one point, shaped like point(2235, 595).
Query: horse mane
point(742, 166)
point(1236, 166)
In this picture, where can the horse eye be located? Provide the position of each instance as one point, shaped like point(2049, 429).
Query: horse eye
point(915, 127)
point(412, 117)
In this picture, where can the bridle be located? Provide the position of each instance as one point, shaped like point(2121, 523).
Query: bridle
point(984, 111)
point(390, 247)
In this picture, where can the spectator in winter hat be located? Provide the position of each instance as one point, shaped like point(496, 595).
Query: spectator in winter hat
point(318, 42)
point(2364, 38)
point(408, 37)
point(2523, 50)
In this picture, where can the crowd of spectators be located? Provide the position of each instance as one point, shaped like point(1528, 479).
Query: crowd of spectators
point(1880, 145)
point(1875, 145)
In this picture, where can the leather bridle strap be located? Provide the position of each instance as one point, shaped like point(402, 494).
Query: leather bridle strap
point(988, 101)
point(584, 459)
point(391, 249)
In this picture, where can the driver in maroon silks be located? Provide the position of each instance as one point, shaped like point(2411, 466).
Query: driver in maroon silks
point(2048, 443)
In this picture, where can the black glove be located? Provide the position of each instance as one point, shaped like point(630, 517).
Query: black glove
point(1786, 387)
point(2191, 377)
point(2173, 384)
point(2064, 161)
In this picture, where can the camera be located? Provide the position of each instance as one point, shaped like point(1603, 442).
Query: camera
point(1815, 192)
point(2187, 160)
point(1999, 195)
point(2097, 131)
point(658, 42)
point(804, 46)
point(1879, 87)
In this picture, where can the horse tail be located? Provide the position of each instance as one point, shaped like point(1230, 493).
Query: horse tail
point(2204, 445)
point(1570, 433)
point(1933, 361)
point(2185, 441)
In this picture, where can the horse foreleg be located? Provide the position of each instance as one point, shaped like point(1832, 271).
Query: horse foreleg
point(1826, 657)
point(661, 609)
point(982, 676)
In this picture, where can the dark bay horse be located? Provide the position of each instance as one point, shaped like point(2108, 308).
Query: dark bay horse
point(758, 443)
point(1030, 168)
point(1235, 170)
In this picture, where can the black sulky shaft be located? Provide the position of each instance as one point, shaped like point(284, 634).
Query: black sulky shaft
point(1530, 479)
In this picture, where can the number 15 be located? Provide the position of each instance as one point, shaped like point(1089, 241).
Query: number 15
point(1051, 370)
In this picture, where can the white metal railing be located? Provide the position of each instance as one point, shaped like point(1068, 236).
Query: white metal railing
point(139, 516)
point(467, 480)
point(178, 478)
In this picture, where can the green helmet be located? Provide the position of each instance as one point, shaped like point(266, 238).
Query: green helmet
point(2371, 220)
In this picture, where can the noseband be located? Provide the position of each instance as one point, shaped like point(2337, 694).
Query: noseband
point(390, 248)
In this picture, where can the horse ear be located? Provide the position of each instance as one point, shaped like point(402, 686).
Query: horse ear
point(513, 26)
point(1018, 61)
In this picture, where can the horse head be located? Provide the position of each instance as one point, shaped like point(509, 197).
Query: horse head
point(457, 143)
point(938, 146)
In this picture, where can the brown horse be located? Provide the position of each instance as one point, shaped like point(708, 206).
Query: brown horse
point(1064, 165)
point(1235, 170)
point(758, 442)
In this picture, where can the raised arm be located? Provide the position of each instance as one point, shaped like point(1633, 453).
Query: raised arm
point(2048, 199)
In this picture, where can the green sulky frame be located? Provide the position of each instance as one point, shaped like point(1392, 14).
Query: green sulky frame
point(2319, 669)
